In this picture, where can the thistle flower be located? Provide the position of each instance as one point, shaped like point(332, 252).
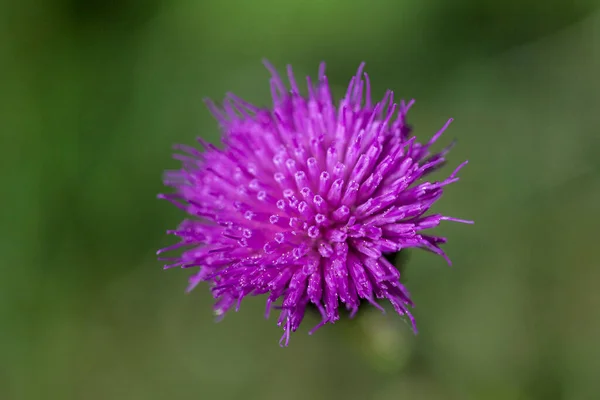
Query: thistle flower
point(303, 201)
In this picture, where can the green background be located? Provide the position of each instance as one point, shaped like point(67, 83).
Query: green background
point(94, 93)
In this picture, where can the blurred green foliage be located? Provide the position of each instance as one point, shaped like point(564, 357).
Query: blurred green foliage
point(95, 92)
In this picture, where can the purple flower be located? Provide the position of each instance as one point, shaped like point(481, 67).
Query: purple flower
point(303, 201)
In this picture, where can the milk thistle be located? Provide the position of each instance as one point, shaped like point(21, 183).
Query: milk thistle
point(304, 201)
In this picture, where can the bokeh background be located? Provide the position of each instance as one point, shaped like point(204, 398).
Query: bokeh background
point(93, 94)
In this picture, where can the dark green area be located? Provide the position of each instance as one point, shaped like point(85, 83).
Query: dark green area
point(94, 93)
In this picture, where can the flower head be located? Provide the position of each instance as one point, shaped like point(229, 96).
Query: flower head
point(303, 201)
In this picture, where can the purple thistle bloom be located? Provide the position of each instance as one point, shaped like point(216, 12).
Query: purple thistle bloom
point(304, 200)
